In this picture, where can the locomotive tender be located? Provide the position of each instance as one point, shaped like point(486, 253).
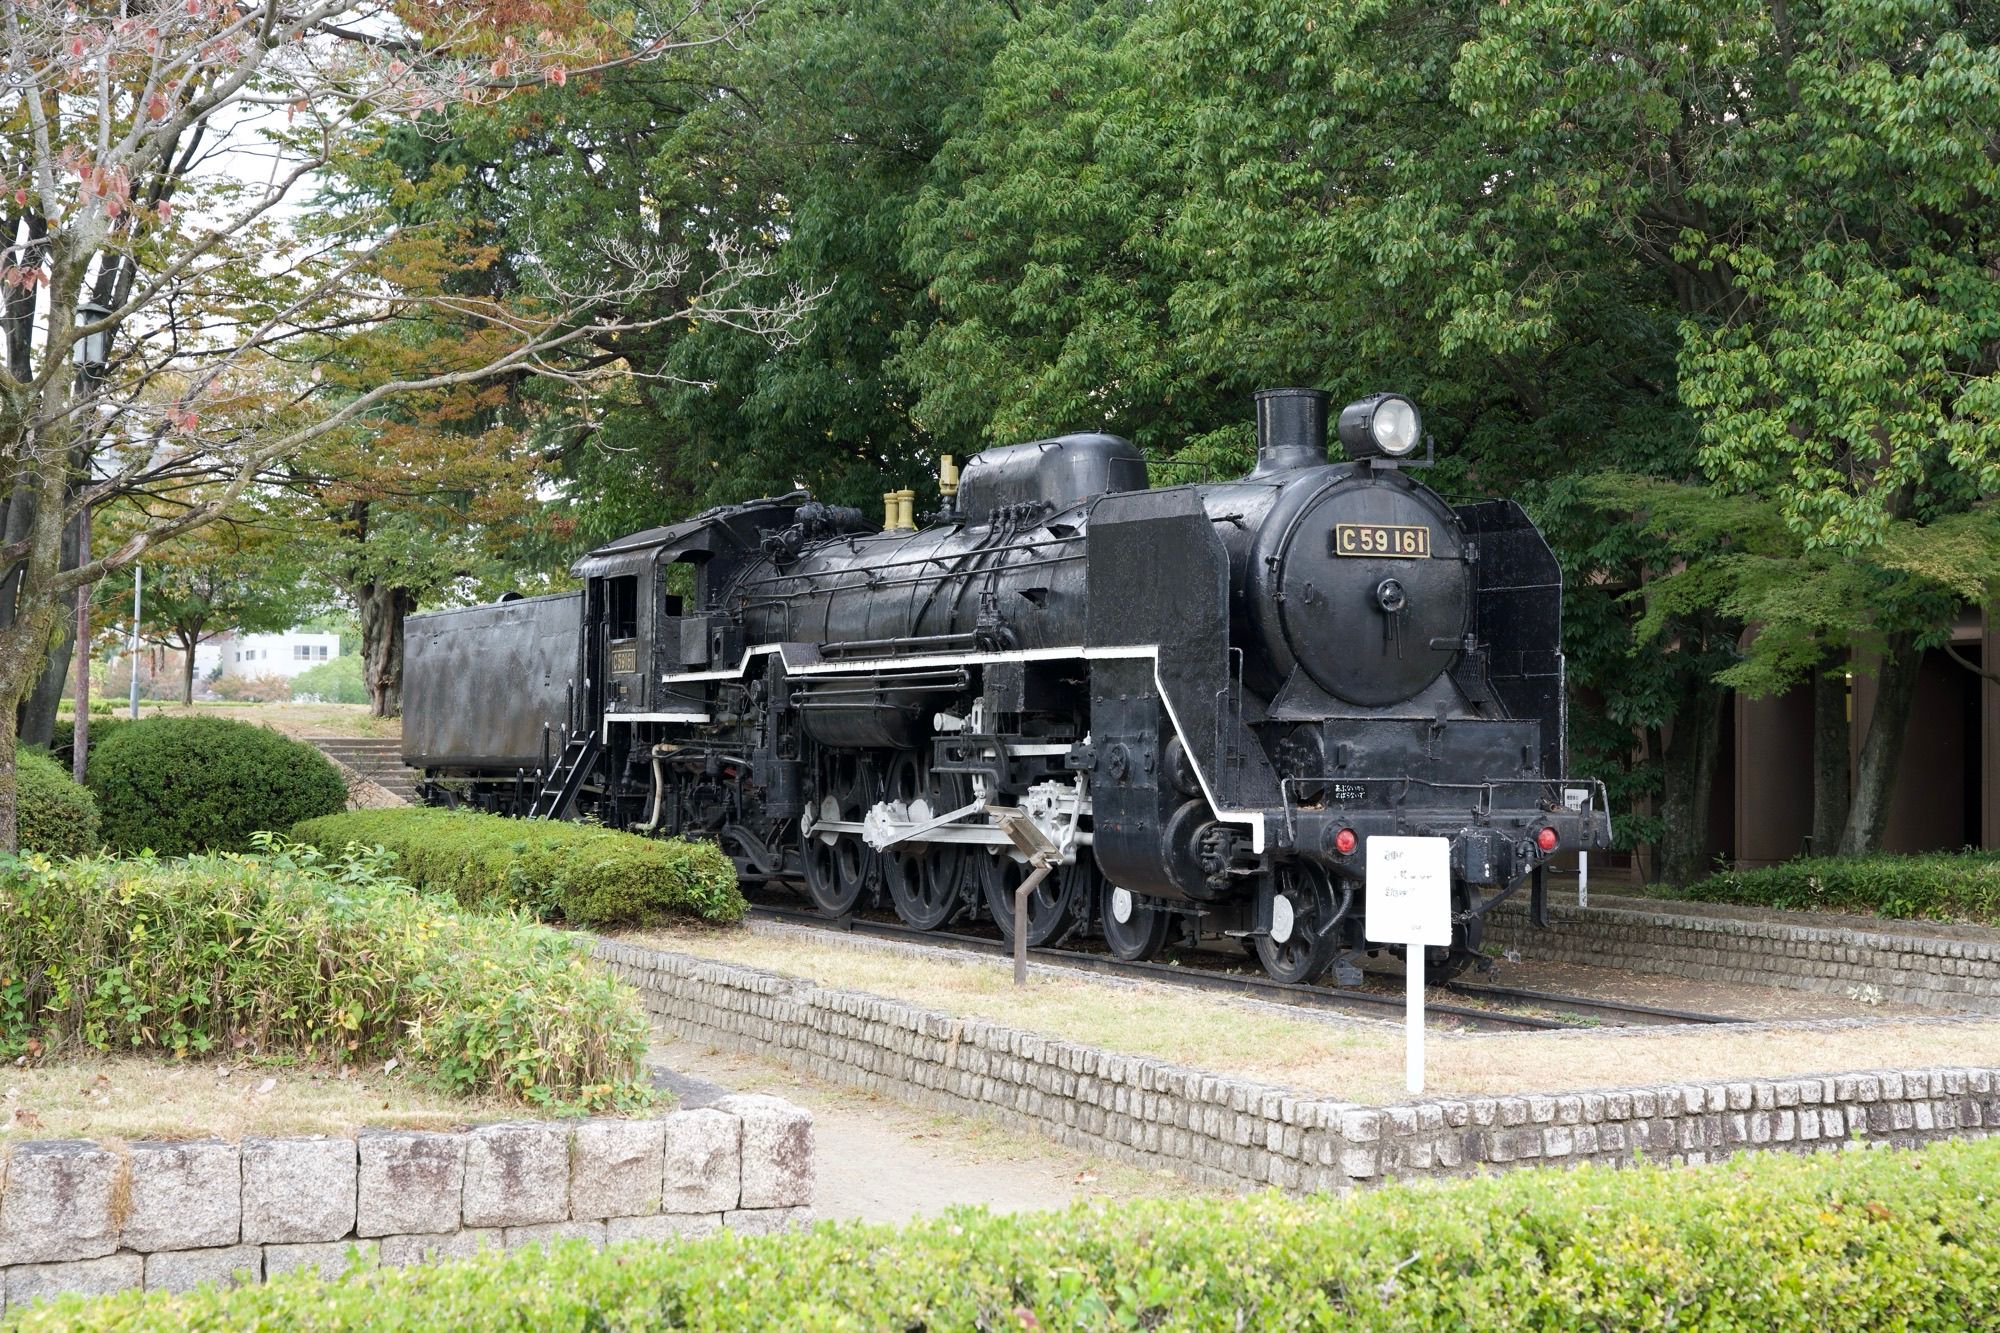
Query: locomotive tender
point(1193, 705)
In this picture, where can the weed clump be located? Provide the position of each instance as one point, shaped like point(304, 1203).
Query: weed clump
point(334, 960)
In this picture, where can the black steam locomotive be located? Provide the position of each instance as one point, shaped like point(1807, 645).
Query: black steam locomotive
point(1189, 706)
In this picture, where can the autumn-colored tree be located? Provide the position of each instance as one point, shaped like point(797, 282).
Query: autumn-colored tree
point(148, 154)
point(418, 502)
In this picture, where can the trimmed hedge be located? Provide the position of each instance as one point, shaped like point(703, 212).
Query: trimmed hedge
point(1936, 886)
point(176, 785)
point(285, 952)
point(100, 727)
point(1881, 1239)
point(580, 874)
point(56, 816)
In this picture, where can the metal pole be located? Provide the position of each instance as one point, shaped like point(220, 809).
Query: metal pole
point(1021, 895)
point(1413, 1017)
point(79, 738)
point(138, 582)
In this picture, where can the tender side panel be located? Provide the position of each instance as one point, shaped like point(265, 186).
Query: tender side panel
point(480, 683)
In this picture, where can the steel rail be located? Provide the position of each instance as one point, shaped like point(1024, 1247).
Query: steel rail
point(1307, 997)
point(1585, 1007)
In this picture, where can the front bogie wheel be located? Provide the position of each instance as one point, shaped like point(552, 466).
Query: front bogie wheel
point(1134, 930)
point(1296, 905)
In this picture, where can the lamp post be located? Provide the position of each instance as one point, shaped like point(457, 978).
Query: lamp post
point(92, 353)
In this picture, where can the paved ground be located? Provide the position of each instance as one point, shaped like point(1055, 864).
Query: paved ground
point(880, 1161)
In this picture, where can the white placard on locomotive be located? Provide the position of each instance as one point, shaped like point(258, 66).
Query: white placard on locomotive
point(1409, 890)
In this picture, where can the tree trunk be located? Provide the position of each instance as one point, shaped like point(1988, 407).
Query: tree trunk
point(1881, 754)
point(36, 720)
point(187, 676)
point(381, 610)
point(1689, 772)
point(21, 651)
point(10, 785)
point(1832, 743)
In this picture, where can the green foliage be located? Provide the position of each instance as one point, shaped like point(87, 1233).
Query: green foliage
point(1835, 1242)
point(331, 960)
point(580, 874)
point(1747, 564)
point(175, 785)
point(1933, 886)
point(334, 681)
point(249, 577)
point(57, 817)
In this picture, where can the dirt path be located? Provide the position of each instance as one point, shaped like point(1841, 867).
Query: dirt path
point(881, 1161)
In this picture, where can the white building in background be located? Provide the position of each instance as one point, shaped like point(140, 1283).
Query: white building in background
point(254, 655)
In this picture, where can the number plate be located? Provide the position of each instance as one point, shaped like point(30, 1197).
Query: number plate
point(624, 661)
point(1379, 539)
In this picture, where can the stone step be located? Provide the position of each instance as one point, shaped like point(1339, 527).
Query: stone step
point(379, 761)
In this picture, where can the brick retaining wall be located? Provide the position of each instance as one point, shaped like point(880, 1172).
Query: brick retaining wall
point(96, 1218)
point(1230, 1132)
point(1930, 970)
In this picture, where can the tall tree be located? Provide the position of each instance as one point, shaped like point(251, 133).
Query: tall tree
point(808, 140)
point(1817, 187)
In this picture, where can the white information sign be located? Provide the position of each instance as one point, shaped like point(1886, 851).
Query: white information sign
point(1409, 890)
point(1408, 901)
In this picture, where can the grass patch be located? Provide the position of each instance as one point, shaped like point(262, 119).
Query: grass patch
point(290, 954)
point(1329, 1056)
point(580, 874)
point(1937, 886)
point(1834, 1242)
point(111, 1098)
point(294, 719)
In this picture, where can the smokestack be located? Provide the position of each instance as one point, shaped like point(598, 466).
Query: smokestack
point(1291, 429)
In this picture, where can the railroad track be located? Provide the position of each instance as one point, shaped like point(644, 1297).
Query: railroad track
point(1510, 1011)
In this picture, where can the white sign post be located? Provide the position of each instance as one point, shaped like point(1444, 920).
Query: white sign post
point(1578, 798)
point(1408, 902)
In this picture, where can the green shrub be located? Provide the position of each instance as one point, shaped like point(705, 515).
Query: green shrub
point(576, 873)
point(65, 732)
point(1935, 886)
point(176, 785)
point(56, 816)
point(286, 952)
point(1848, 1241)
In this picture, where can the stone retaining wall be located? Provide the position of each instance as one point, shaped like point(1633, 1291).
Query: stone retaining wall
point(1929, 970)
point(96, 1218)
point(1232, 1132)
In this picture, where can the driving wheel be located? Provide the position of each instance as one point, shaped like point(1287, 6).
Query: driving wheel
point(1056, 907)
point(839, 867)
point(926, 879)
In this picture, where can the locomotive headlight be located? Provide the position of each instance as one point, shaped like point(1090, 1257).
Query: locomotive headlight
point(1382, 425)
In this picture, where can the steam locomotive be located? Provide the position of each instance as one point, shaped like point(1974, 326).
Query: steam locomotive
point(1184, 710)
